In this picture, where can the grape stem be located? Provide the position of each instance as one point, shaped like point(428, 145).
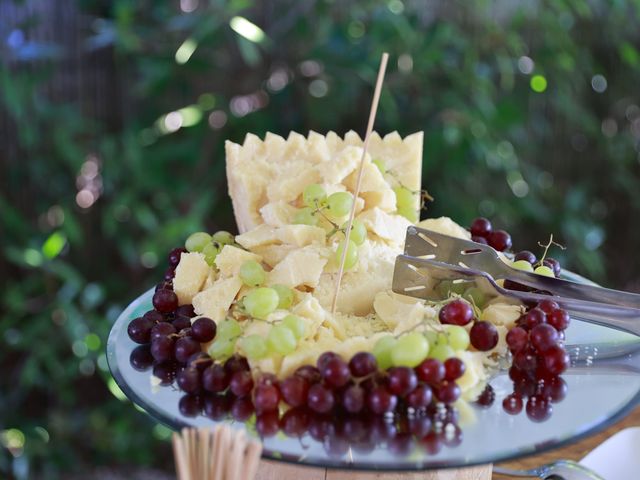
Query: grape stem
point(546, 249)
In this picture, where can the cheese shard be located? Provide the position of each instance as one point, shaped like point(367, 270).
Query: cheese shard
point(265, 175)
point(300, 267)
point(216, 300)
point(191, 273)
point(391, 228)
point(445, 226)
point(231, 258)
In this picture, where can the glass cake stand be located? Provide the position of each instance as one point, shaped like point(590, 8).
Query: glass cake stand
point(603, 384)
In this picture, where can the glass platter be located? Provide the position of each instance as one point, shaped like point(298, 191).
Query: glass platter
point(603, 384)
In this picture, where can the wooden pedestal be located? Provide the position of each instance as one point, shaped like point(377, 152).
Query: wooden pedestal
point(282, 471)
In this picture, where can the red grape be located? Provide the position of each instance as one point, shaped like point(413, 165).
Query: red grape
point(548, 306)
point(236, 363)
point(162, 329)
point(174, 256)
point(267, 423)
point(242, 409)
point(200, 360)
point(294, 390)
point(478, 239)
point(203, 329)
point(320, 399)
point(181, 322)
point(190, 405)
point(512, 404)
point(527, 256)
point(139, 329)
point(517, 339)
point(500, 240)
point(324, 358)
point(154, 316)
point(165, 372)
point(431, 371)
point(363, 364)
point(454, 368)
point(294, 422)
point(534, 317)
point(215, 378)
point(447, 392)
point(555, 360)
point(420, 426)
point(481, 227)
point(266, 397)
point(335, 372)
point(186, 310)
point(543, 337)
point(188, 380)
point(401, 380)
point(457, 312)
point(353, 399)
point(241, 383)
point(432, 443)
point(381, 401)
point(162, 349)
point(420, 397)
point(141, 358)
point(559, 319)
point(539, 408)
point(165, 301)
point(216, 407)
point(184, 348)
point(169, 273)
point(309, 373)
point(553, 264)
point(526, 361)
point(483, 336)
point(487, 397)
point(555, 388)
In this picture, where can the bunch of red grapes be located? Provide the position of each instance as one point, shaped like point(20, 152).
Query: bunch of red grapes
point(539, 358)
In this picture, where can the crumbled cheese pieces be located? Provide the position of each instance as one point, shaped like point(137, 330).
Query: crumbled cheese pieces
point(391, 228)
point(299, 267)
point(231, 258)
point(216, 300)
point(191, 273)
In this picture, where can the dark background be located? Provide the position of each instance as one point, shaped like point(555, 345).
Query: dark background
point(531, 117)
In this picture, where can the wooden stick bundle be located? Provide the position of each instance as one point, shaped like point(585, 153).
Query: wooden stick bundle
point(218, 453)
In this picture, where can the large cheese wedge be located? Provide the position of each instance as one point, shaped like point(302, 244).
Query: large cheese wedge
point(266, 177)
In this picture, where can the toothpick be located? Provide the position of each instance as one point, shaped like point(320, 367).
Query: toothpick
point(372, 117)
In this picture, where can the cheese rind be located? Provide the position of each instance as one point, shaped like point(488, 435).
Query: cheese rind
point(191, 273)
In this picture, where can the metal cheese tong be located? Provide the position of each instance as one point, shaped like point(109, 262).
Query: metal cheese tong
point(455, 251)
point(430, 279)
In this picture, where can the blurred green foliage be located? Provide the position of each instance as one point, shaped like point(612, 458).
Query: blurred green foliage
point(530, 112)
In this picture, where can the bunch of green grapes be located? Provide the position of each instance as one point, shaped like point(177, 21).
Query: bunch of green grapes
point(282, 339)
point(209, 245)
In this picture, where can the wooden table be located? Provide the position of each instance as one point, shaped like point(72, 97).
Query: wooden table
point(278, 471)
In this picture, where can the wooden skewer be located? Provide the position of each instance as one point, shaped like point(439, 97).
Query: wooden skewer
point(372, 117)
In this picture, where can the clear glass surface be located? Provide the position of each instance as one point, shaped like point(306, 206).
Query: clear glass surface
point(603, 384)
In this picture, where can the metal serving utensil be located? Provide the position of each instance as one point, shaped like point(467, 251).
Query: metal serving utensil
point(432, 245)
point(432, 280)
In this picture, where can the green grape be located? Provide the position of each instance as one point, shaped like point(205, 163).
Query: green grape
point(228, 329)
point(339, 204)
point(252, 273)
point(285, 296)
point(351, 259)
point(475, 296)
point(522, 265)
point(222, 348)
point(358, 232)
point(442, 339)
point(379, 163)
point(223, 238)
point(254, 347)
point(313, 195)
point(544, 270)
point(261, 302)
point(431, 336)
point(441, 352)
point(197, 241)
point(409, 213)
point(281, 340)
point(382, 351)
point(410, 349)
point(210, 252)
point(404, 198)
point(305, 216)
point(458, 337)
point(296, 325)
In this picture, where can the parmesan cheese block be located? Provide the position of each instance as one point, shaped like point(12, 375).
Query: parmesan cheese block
point(266, 177)
point(231, 258)
point(445, 226)
point(191, 273)
point(216, 300)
